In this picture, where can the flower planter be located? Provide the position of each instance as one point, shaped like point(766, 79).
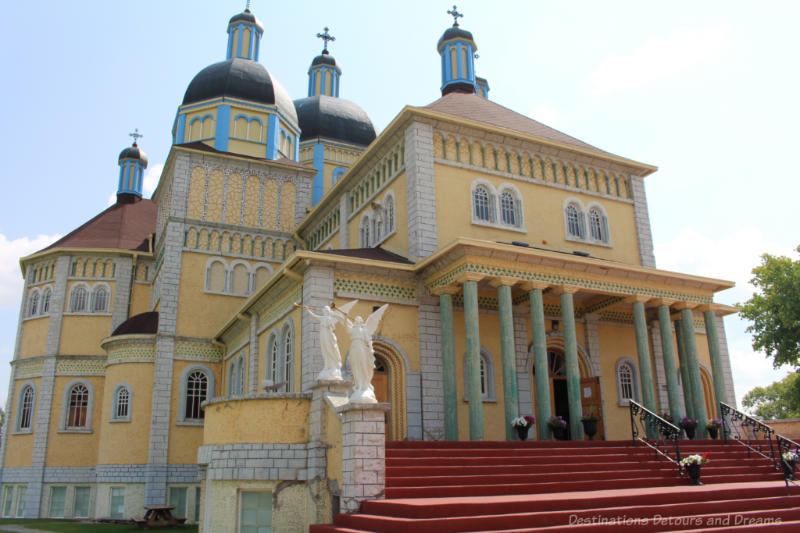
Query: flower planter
point(788, 469)
point(694, 474)
point(713, 432)
point(689, 432)
point(522, 432)
point(590, 427)
point(559, 433)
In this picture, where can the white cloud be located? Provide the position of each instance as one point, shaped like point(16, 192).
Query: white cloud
point(150, 181)
point(731, 257)
point(10, 274)
point(659, 58)
point(546, 114)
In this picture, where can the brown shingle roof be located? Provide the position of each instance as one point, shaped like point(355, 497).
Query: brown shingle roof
point(376, 254)
point(479, 109)
point(123, 226)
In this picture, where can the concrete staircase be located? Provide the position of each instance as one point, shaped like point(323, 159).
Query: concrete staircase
point(441, 487)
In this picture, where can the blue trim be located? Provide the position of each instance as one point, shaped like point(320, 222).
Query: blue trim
point(470, 63)
point(318, 185)
point(223, 127)
point(239, 40)
point(272, 137)
point(459, 61)
point(310, 82)
point(323, 79)
point(338, 172)
point(258, 44)
point(119, 186)
point(251, 49)
point(180, 135)
point(296, 141)
point(338, 76)
point(229, 52)
point(248, 117)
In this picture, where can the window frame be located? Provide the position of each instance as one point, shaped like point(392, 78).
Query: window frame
point(66, 407)
point(32, 307)
point(287, 340)
point(240, 510)
point(634, 371)
point(19, 415)
point(488, 395)
point(75, 502)
point(210, 393)
point(115, 403)
point(96, 289)
point(73, 298)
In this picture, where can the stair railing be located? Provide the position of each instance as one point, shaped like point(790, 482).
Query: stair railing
point(655, 432)
point(747, 431)
point(787, 446)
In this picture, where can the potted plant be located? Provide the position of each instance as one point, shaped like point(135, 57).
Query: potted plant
point(788, 460)
point(558, 426)
point(688, 425)
point(522, 424)
point(713, 427)
point(692, 464)
point(589, 421)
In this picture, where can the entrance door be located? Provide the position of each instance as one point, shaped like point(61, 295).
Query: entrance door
point(380, 382)
point(591, 402)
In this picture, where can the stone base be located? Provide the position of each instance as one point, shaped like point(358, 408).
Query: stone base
point(363, 453)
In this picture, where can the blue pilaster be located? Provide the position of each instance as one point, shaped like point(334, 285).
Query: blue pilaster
point(223, 127)
point(318, 185)
point(180, 130)
point(239, 40)
point(272, 137)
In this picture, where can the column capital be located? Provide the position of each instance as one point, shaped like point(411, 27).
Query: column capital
point(533, 285)
point(503, 280)
point(658, 302)
point(636, 298)
point(446, 289)
point(469, 276)
point(680, 306)
point(565, 289)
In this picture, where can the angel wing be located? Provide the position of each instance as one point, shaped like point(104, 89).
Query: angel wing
point(345, 308)
point(375, 319)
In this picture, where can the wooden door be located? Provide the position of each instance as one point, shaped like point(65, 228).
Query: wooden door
point(380, 382)
point(591, 402)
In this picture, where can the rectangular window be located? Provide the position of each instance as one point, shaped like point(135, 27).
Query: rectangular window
point(197, 504)
point(58, 497)
point(8, 500)
point(81, 506)
point(255, 512)
point(117, 502)
point(177, 498)
point(21, 490)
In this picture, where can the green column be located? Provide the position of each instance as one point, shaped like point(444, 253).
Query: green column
point(643, 351)
point(687, 386)
point(510, 398)
point(471, 326)
point(573, 372)
point(449, 368)
point(540, 365)
point(687, 323)
point(670, 368)
point(716, 359)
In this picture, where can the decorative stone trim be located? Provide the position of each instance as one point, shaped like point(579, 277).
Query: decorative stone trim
point(363, 453)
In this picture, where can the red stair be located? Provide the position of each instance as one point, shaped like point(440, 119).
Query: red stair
point(443, 487)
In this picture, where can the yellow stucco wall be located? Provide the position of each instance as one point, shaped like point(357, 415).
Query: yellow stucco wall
point(140, 298)
point(74, 449)
point(542, 214)
point(788, 428)
point(185, 439)
point(201, 314)
point(81, 334)
point(615, 342)
point(34, 337)
point(126, 442)
point(257, 420)
point(19, 447)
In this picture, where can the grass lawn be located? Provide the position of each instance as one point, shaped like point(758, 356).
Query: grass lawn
point(68, 526)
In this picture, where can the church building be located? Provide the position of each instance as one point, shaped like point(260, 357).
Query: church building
point(160, 358)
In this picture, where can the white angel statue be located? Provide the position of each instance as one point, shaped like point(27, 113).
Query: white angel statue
point(362, 356)
point(331, 356)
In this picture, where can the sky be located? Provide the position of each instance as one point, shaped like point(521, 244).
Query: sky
point(707, 91)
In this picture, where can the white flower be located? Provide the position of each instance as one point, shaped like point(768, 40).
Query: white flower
point(519, 422)
point(695, 459)
point(790, 457)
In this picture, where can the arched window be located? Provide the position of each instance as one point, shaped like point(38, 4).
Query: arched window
point(598, 225)
point(196, 394)
point(240, 379)
point(288, 357)
point(25, 409)
point(486, 377)
point(509, 207)
point(481, 204)
point(78, 299)
point(273, 358)
point(388, 205)
point(121, 406)
point(45, 305)
point(232, 378)
point(364, 234)
point(99, 299)
point(33, 303)
point(216, 276)
point(627, 381)
point(574, 222)
point(78, 409)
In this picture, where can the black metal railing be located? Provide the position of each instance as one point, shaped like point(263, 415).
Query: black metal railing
point(787, 446)
point(753, 434)
point(655, 432)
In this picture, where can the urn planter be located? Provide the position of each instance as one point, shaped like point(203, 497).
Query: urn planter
point(694, 474)
point(590, 427)
point(788, 469)
point(713, 432)
point(522, 432)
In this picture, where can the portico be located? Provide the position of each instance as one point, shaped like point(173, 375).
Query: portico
point(488, 287)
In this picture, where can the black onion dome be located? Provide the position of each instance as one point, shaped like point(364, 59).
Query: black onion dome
point(454, 32)
point(246, 16)
point(324, 59)
point(240, 78)
point(133, 152)
point(333, 118)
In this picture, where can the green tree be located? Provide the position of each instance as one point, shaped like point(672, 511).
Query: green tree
point(780, 400)
point(775, 310)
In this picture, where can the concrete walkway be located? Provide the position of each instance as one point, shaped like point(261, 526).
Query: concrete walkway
point(20, 529)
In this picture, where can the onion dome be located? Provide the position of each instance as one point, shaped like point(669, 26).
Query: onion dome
point(333, 118)
point(135, 153)
point(132, 162)
point(457, 50)
point(247, 17)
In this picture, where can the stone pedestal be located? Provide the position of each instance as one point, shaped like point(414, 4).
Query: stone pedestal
point(322, 392)
point(363, 453)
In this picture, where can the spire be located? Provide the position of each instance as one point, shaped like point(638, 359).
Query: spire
point(324, 73)
point(244, 35)
point(457, 50)
point(132, 162)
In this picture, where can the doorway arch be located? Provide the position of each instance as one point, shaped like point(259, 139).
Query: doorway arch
point(389, 381)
